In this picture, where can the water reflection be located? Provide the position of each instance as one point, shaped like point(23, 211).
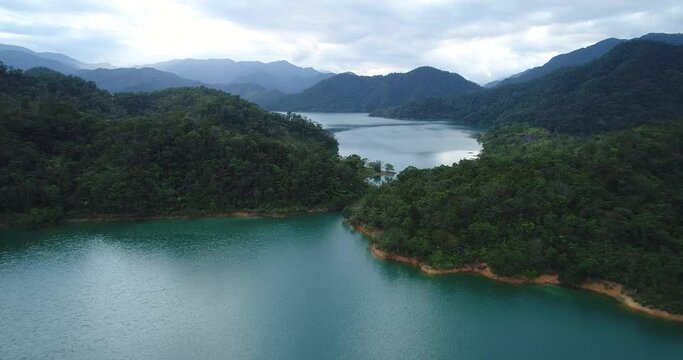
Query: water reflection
point(423, 144)
point(303, 287)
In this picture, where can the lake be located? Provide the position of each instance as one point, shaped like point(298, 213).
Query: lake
point(402, 143)
point(298, 288)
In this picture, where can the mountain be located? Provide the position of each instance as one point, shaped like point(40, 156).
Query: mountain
point(149, 79)
point(492, 84)
point(75, 63)
point(5, 47)
point(576, 57)
point(635, 82)
point(69, 149)
point(278, 75)
point(255, 93)
point(261, 83)
point(135, 80)
point(240, 88)
point(25, 60)
point(67, 64)
point(674, 39)
point(580, 57)
point(124, 79)
point(349, 92)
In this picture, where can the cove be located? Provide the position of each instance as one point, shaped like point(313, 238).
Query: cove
point(298, 288)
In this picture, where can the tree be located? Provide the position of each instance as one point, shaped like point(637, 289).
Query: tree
point(68, 149)
point(602, 207)
point(376, 165)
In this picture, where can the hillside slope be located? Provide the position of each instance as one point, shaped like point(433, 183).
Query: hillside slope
point(581, 56)
point(635, 82)
point(68, 149)
point(352, 93)
point(606, 207)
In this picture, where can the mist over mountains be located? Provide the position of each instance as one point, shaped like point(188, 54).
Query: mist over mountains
point(252, 79)
point(22, 58)
point(278, 75)
point(282, 86)
point(136, 80)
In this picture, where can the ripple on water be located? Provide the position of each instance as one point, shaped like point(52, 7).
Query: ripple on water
point(304, 287)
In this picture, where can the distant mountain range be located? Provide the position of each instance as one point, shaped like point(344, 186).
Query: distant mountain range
point(24, 61)
point(282, 86)
point(277, 85)
point(580, 57)
point(349, 92)
point(253, 80)
point(135, 80)
point(635, 82)
point(278, 75)
point(149, 79)
point(23, 58)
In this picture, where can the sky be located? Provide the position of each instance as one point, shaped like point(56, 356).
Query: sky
point(481, 40)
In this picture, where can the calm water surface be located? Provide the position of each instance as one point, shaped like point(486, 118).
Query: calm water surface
point(402, 143)
point(299, 288)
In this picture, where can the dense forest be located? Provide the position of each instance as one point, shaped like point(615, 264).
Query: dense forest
point(635, 82)
point(349, 92)
point(607, 207)
point(69, 149)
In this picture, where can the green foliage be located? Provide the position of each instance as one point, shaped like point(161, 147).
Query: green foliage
point(605, 207)
point(38, 217)
point(376, 166)
point(635, 82)
point(64, 144)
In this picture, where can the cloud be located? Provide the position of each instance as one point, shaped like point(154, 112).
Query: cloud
point(481, 40)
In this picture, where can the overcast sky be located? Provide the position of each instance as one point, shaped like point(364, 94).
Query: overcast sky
point(481, 40)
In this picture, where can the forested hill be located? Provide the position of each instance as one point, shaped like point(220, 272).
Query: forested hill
point(574, 58)
point(582, 56)
point(635, 82)
point(352, 93)
point(68, 149)
point(606, 207)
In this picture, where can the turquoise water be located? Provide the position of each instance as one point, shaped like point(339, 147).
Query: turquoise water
point(298, 288)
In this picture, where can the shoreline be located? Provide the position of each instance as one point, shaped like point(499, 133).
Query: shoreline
point(607, 288)
point(275, 214)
